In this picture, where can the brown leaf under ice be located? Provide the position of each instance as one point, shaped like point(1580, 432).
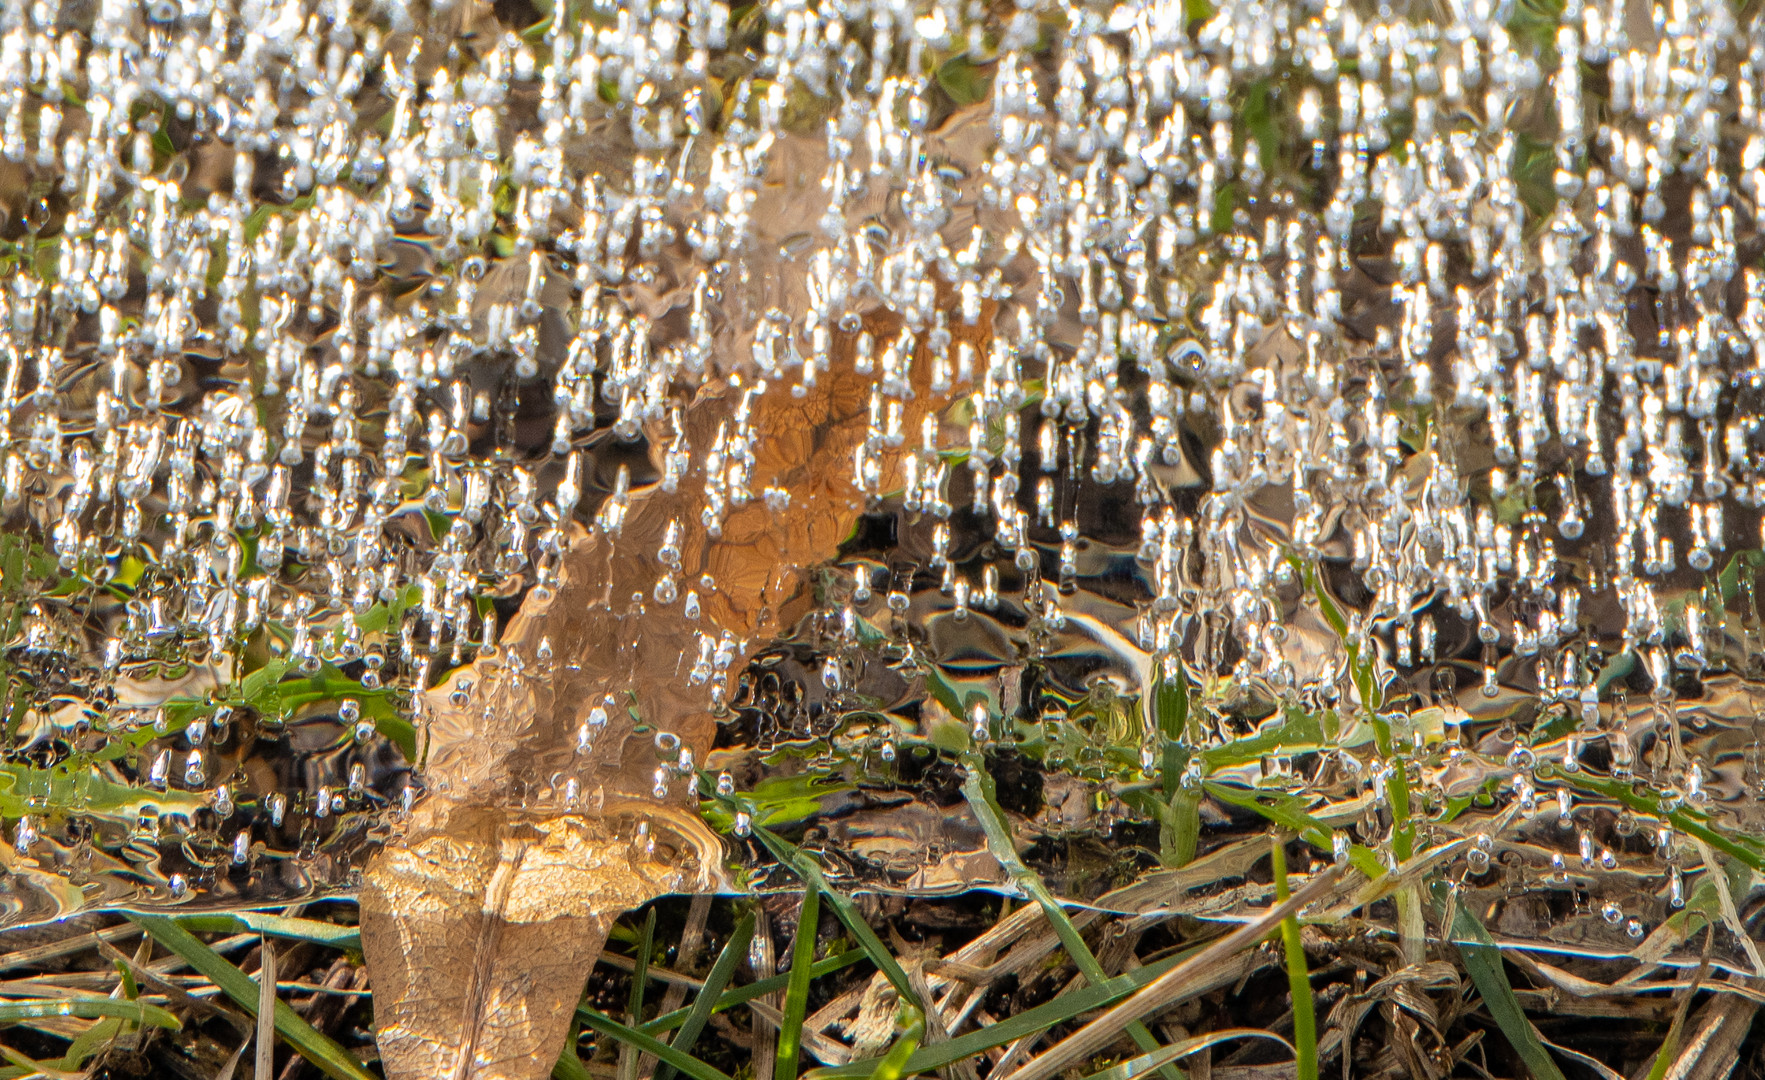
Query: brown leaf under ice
point(479, 937)
point(481, 922)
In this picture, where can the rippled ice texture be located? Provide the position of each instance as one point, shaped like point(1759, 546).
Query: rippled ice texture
point(1190, 416)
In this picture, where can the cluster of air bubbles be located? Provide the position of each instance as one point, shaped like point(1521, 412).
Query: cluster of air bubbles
point(1299, 359)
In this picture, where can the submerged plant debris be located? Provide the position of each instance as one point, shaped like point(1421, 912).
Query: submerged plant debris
point(511, 462)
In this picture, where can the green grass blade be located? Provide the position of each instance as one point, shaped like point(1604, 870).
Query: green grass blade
point(804, 867)
point(796, 998)
point(1170, 715)
point(640, 976)
point(893, 1065)
point(978, 788)
point(330, 935)
point(131, 988)
point(741, 995)
point(1289, 812)
point(1301, 732)
point(570, 1067)
point(89, 1042)
point(1733, 845)
point(1669, 1051)
point(640, 973)
point(102, 1033)
point(1180, 825)
point(317, 1048)
point(1305, 1019)
point(88, 1008)
point(32, 1069)
point(1482, 959)
point(637, 1040)
point(734, 951)
point(1185, 816)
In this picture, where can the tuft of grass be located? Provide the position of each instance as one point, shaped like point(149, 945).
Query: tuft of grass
point(315, 1046)
point(978, 789)
point(708, 1000)
point(848, 913)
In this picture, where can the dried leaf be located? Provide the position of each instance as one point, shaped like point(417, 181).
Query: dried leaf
point(481, 935)
point(266, 1012)
point(481, 921)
